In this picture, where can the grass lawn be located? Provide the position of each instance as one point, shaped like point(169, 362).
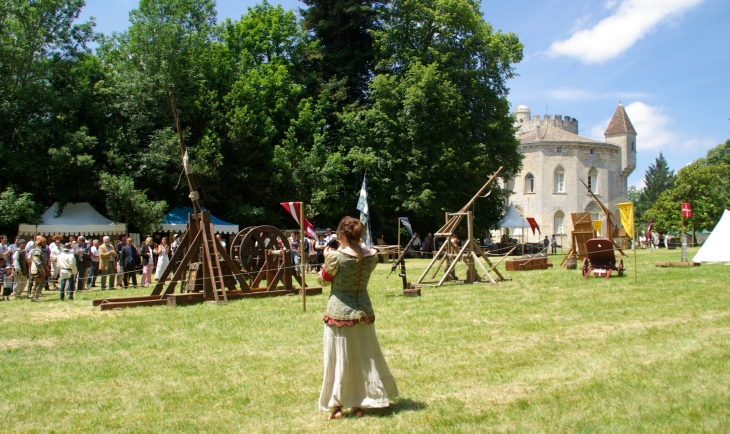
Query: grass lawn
point(546, 352)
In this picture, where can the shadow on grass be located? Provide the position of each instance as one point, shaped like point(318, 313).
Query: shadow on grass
point(399, 405)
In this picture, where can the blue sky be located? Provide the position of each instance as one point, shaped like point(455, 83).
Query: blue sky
point(663, 59)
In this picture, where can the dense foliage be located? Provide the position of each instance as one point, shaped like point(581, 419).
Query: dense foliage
point(705, 184)
point(274, 108)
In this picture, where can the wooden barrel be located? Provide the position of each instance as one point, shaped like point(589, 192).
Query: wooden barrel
point(570, 263)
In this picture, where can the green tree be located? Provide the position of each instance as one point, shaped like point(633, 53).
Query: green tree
point(719, 154)
point(343, 29)
point(705, 186)
point(46, 78)
point(439, 123)
point(125, 203)
point(657, 179)
point(17, 208)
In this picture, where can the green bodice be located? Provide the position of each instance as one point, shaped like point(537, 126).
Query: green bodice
point(349, 299)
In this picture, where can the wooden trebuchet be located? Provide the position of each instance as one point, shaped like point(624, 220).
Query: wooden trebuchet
point(470, 253)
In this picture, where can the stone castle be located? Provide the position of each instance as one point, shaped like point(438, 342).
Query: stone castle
point(556, 158)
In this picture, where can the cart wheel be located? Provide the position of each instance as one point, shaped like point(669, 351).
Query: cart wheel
point(585, 268)
point(620, 267)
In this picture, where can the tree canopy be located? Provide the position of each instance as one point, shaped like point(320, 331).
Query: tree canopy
point(705, 184)
point(274, 108)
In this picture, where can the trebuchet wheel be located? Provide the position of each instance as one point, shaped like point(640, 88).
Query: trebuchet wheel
point(249, 246)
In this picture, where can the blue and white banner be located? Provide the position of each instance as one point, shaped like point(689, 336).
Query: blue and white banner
point(407, 224)
point(362, 206)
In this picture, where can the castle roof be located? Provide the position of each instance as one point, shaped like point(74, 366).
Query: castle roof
point(551, 134)
point(620, 123)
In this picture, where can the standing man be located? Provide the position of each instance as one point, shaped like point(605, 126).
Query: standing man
point(173, 248)
point(554, 245)
point(20, 269)
point(328, 237)
point(107, 263)
point(56, 251)
point(83, 255)
point(118, 248)
point(128, 259)
point(545, 244)
point(94, 268)
point(296, 259)
point(66, 262)
point(38, 266)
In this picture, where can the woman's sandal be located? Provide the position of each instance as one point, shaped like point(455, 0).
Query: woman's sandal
point(357, 412)
point(335, 413)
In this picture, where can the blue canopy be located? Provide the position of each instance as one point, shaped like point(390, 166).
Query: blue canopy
point(177, 219)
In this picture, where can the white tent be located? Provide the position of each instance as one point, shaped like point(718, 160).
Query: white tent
point(715, 250)
point(513, 219)
point(76, 219)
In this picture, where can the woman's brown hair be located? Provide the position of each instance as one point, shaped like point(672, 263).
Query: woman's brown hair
point(351, 228)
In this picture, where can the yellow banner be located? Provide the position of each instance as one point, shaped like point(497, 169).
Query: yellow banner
point(626, 210)
point(597, 225)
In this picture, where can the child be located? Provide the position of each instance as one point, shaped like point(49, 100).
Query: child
point(7, 279)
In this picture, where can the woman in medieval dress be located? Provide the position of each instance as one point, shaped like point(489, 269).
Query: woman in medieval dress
point(356, 375)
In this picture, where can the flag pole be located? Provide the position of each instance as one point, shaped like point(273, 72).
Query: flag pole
point(681, 235)
point(301, 256)
point(398, 249)
point(636, 230)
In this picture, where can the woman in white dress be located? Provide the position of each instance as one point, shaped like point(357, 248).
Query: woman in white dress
point(162, 258)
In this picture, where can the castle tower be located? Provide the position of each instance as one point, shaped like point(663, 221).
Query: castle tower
point(523, 116)
point(621, 132)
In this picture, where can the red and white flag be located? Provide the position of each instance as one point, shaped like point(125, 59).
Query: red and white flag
point(648, 230)
point(686, 210)
point(294, 208)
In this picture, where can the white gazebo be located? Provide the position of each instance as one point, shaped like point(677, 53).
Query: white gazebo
point(76, 219)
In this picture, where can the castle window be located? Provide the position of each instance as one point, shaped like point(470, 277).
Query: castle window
point(529, 183)
point(560, 150)
point(593, 180)
point(592, 151)
point(558, 222)
point(633, 146)
point(559, 180)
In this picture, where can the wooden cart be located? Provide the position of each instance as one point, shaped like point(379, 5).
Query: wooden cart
point(601, 259)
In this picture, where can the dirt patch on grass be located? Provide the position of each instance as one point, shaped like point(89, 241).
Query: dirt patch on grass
point(16, 344)
point(60, 314)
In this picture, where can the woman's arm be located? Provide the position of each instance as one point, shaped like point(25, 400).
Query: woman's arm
point(329, 269)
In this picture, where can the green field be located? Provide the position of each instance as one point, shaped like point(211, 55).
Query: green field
point(544, 352)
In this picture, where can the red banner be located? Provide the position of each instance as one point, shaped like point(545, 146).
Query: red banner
point(533, 225)
point(686, 210)
point(293, 208)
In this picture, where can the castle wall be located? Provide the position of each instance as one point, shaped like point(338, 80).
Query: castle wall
point(541, 159)
point(527, 123)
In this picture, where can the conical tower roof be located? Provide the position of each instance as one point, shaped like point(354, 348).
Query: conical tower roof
point(620, 123)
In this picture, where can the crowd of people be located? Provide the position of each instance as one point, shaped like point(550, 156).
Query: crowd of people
point(71, 264)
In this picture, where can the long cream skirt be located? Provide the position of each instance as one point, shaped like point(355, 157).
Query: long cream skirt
point(355, 372)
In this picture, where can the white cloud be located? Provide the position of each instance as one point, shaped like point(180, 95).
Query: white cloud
point(613, 35)
point(567, 93)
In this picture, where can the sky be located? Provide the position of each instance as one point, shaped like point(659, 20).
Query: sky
point(662, 59)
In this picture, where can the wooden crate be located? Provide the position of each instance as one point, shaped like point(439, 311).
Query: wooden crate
point(526, 264)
